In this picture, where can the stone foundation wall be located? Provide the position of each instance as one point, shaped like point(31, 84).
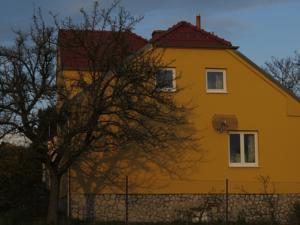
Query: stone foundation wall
point(185, 207)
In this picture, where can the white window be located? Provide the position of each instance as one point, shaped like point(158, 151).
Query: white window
point(165, 79)
point(215, 81)
point(243, 150)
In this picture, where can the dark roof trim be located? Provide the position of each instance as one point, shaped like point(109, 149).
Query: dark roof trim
point(268, 76)
point(193, 46)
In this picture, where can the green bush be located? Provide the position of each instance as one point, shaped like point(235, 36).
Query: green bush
point(21, 190)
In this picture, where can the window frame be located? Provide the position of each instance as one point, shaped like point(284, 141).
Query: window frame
point(242, 149)
point(224, 89)
point(166, 89)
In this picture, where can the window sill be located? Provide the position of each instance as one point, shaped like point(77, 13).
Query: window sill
point(241, 165)
point(216, 91)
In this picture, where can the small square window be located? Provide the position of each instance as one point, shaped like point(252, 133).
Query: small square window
point(243, 150)
point(215, 81)
point(165, 80)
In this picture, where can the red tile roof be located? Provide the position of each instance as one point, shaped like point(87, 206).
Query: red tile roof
point(184, 34)
point(74, 56)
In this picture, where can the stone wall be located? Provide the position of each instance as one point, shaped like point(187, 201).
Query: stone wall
point(185, 207)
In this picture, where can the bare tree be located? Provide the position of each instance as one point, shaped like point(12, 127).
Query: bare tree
point(27, 84)
point(109, 114)
point(286, 71)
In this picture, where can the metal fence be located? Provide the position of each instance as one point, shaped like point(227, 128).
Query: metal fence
point(224, 201)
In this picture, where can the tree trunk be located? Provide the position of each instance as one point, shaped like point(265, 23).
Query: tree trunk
point(52, 217)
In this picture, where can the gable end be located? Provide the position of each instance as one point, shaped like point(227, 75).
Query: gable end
point(267, 75)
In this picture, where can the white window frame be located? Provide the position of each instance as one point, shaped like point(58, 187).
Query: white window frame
point(242, 149)
point(224, 90)
point(173, 89)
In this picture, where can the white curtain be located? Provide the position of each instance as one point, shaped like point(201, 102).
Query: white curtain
point(219, 81)
point(249, 140)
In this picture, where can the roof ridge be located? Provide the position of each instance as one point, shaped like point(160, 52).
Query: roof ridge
point(174, 27)
point(73, 57)
point(180, 23)
point(105, 31)
point(138, 36)
point(210, 33)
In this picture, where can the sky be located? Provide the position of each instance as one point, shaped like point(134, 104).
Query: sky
point(262, 28)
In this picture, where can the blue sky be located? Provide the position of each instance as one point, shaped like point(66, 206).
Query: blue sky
point(262, 28)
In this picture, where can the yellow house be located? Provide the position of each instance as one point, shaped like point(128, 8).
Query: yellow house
point(261, 136)
point(248, 124)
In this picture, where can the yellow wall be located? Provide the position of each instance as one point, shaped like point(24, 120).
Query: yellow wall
point(258, 104)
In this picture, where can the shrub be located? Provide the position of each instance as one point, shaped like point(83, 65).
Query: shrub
point(21, 190)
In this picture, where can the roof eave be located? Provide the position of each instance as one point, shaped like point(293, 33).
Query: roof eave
point(268, 76)
point(163, 45)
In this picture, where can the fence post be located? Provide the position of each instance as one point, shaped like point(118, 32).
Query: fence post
point(69, 200)
point(126, 200)
point(226, 199)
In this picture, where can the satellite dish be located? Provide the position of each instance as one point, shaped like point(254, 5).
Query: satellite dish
point(223, 123)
